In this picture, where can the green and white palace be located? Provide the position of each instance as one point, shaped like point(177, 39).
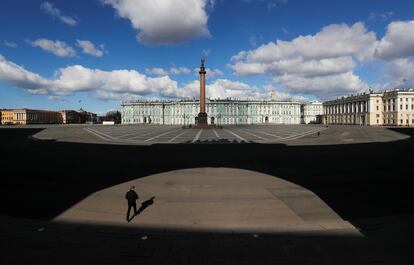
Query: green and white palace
point(219, 111)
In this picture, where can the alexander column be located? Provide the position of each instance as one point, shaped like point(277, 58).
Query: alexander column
point(202, 116)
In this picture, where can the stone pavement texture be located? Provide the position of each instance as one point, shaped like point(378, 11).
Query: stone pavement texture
point(218, 199)
point(267, 134)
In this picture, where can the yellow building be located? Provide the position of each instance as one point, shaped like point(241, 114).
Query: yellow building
point(6, 116)
point(29, 116)
point(390, 108)
point(398, 107)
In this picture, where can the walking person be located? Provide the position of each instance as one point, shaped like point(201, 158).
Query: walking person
point(132, 198)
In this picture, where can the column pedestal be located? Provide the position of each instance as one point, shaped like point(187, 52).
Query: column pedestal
point(202, 119)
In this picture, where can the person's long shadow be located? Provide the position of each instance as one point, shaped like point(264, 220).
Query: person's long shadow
point(145, 205)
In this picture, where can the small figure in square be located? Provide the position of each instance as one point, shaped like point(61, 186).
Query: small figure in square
point(132, 198)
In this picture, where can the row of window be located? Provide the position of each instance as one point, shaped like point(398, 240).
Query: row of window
point(155, 113)
point(392, 107)
point(392, 121)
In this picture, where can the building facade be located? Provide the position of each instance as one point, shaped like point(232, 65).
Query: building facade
point(390, 108)
point(29, 116)
point(220, 112)
point(70, 116)
point(312, 112)
point(79, 116)
point(398, 107)
point(6, 116)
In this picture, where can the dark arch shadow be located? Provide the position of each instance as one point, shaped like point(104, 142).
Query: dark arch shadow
point(41, 179)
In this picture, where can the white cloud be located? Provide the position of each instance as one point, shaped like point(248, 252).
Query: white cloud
point(172, 71)
point(179, 70)
point(401, 72)
point(156, 71)
point(332, 41)
point(58, 48)
point(223, 88)
point(89, 48)
point(213, 73)
point(238, 57)
point(49, 9)
point(299, 66)
point(164, 21)
point(38, 91)
point(398, 41)
point(77, 78)
point(10, 44)
point(118, 84)
point(323, 87)
point(19, 76)
point(396, 48)
point(106, 95)
point(320, 64)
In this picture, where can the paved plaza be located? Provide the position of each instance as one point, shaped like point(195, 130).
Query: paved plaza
point(246, 134)
point(229, 134)
point(213, 199)
point(341, 197)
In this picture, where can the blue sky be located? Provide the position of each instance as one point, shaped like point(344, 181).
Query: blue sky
point(93, 53)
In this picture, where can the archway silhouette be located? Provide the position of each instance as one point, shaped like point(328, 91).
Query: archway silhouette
point(353, 179)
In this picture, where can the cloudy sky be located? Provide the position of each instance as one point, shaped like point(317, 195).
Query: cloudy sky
point(94, 53)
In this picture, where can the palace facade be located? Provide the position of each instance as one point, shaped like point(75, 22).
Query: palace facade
point(312, 112)
point(220, 112)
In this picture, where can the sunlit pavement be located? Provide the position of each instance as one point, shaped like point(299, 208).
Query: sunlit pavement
point(216, 199)
point(265, 134)
point(176, 134)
